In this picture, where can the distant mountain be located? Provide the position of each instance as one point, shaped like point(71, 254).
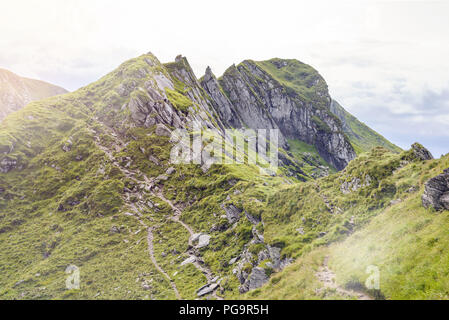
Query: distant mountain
point(16, 91)
point(362, 137)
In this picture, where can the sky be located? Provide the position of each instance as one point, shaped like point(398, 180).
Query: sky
point(386, 62)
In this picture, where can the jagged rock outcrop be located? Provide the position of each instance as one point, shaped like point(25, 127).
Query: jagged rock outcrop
point(420, 152)
point(206, 289)
point(257, 278)
point(156, 101)
point(436, 194)
point(220, 101)
point(256, 99)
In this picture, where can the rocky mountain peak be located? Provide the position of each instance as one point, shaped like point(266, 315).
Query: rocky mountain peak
point(294, 100)
point(179, 58)
point(208, 74)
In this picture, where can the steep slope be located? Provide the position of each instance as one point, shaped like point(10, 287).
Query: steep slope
point(368, 218)
point(281, 94)
point(16, 92)
point(362, 137)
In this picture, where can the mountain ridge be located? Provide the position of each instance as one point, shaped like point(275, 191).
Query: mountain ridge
point(16, 91)
point(86, 179)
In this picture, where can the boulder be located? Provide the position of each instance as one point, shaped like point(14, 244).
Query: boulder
point(232, 213)
point(436, 193)
point(257, 278)
point(203, 241)
point(195, 237)
point(162, 130)
point(189, 260)
point(420, 152)
point(202, 238)
point(208, 288)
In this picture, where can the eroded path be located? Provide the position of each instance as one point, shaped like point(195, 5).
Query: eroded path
point(327, 278)
point(198, 263)
point(149, 184)
point(153, 259)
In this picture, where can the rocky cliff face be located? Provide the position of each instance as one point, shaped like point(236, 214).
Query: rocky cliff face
point(16, 92)
point(264, 95)
point(220, 101)
point(246, 96)
point(361, 136)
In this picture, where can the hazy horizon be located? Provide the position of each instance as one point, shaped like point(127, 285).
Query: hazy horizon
point(384, 61)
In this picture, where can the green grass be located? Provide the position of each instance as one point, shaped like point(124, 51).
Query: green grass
point(405, 241)
point(362, 138)
point(298, 78)
point(181, 102)
point(309, 154)
point(58, 208)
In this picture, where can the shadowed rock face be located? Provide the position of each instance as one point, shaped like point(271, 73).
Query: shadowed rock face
point(249, 96)
point(436, 194)
point(220, 101)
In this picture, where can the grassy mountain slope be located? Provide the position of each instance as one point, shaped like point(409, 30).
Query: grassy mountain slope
point(297, 77)
point(16, 92)
point(86, 180)
point(382, 224)
point(288, 95)
point(362, 137)
point(304, 80)
point(90, 188)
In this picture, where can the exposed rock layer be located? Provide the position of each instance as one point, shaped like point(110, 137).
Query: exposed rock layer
point(249, 96)
point(436, 194)
point(16, 92)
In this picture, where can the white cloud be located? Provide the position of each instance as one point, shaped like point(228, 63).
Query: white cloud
point(385, 61)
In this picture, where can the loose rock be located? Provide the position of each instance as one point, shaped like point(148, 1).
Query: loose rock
point(436, 194)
